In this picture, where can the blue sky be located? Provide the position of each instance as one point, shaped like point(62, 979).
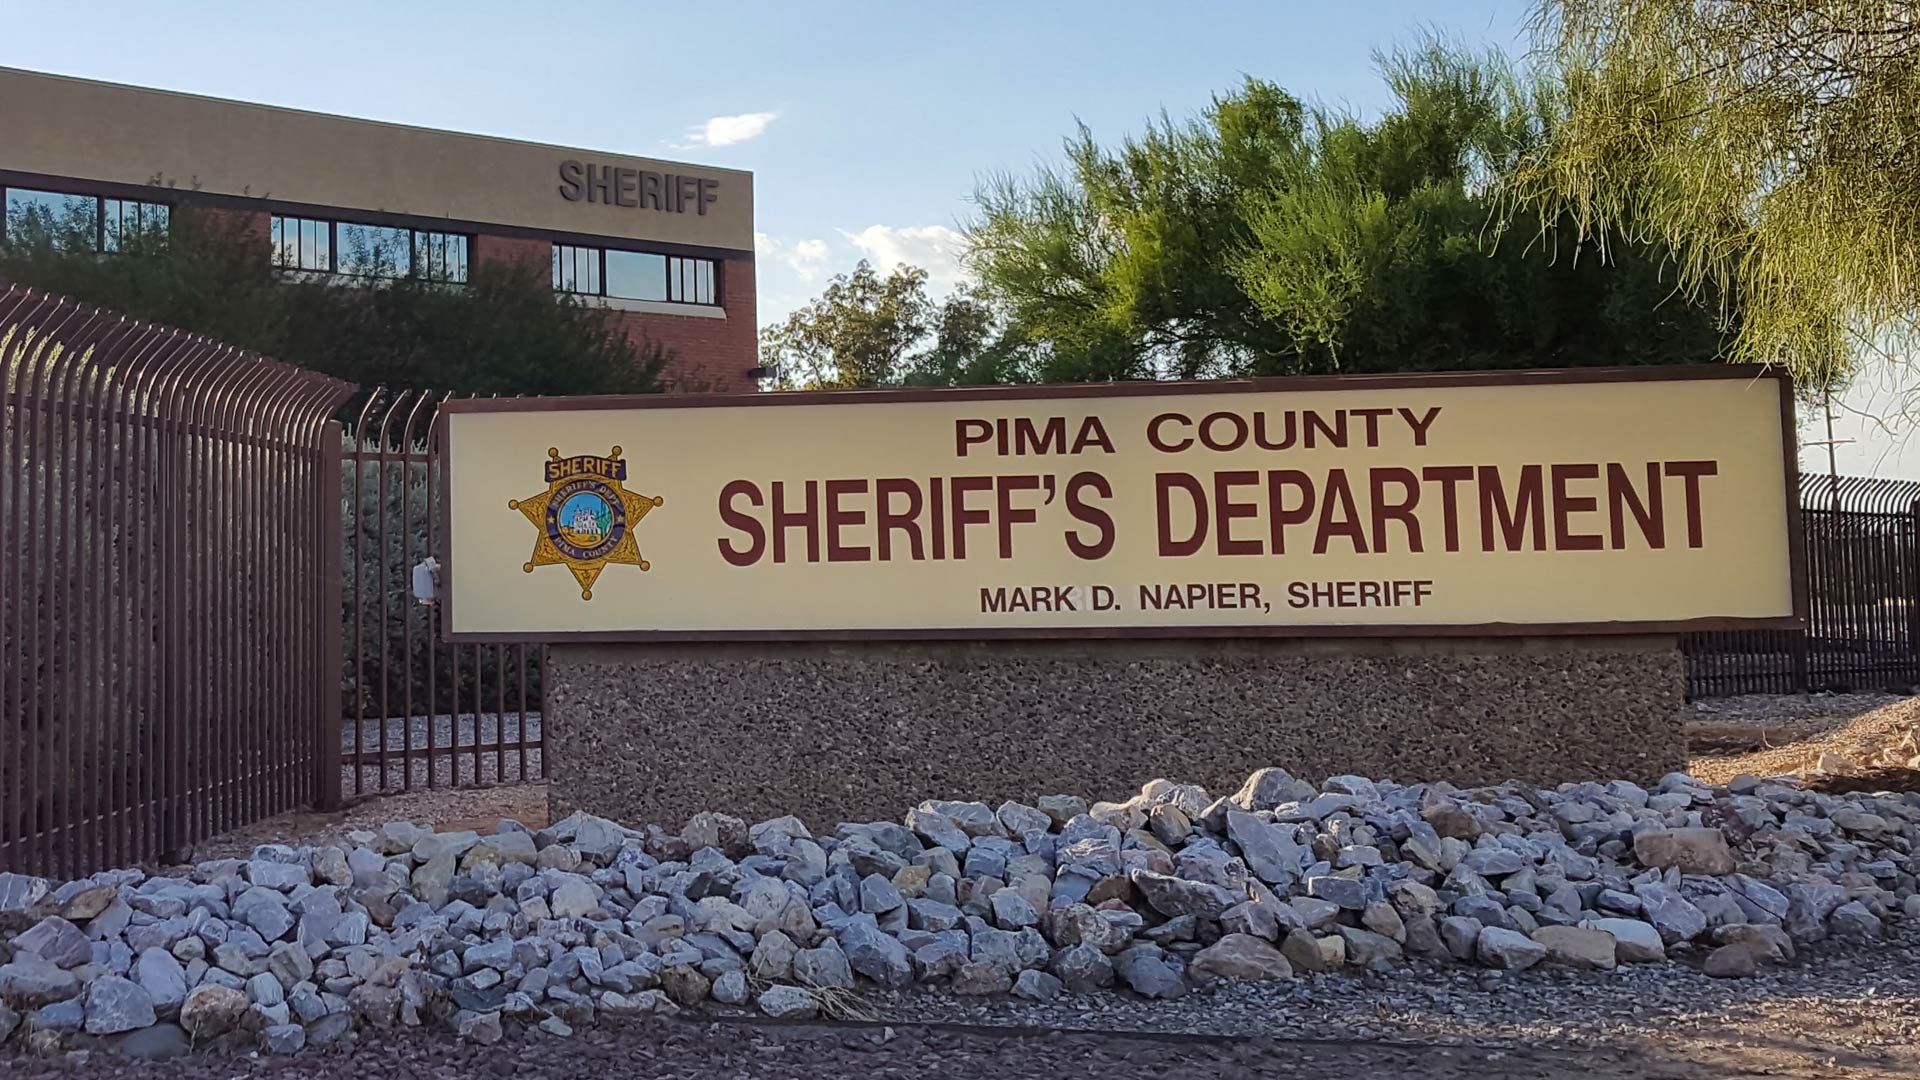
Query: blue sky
point(867, 125)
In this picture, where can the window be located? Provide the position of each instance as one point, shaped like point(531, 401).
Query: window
point(302, 244)
point(125, 222)
point(634, 275)
point(83, 222)
point(345, 247)
point(576, 269)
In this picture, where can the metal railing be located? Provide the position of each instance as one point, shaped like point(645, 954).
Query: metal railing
point(1862, 541)
point(168, 531)
point(416, 711)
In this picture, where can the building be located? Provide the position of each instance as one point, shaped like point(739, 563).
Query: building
point(669, 246)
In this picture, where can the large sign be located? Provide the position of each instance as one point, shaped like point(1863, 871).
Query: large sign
point(1570, 502)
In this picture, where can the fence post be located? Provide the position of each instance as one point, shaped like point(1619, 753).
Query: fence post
point(330, 537)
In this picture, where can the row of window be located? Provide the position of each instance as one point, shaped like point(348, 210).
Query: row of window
point(343, 247)
point(316, 245)
point(634, 275)
point(82, 222)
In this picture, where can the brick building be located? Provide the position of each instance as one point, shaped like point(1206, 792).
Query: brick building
point(668, 246)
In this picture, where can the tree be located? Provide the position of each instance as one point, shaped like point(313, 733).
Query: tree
point(1774, 147)
point(503, 332)
point(1270, 237)
point(865, 330)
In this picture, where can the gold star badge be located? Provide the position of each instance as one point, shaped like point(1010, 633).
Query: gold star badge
point(585, 517)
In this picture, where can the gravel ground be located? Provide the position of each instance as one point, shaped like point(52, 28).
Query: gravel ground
point(1853, 1004)
point(453, 757)
point(765, 1051)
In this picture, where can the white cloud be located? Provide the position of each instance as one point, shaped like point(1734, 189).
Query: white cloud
point(727, 130)
point(807, 259)
point(933, 248)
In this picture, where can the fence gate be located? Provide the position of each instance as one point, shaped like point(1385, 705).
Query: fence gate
point(1862, 541)
point(418, 712)
point(167, 535)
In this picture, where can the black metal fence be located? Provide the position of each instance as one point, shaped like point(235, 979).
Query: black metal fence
point(418, 712)
point(167, 536)
point(1863, 618)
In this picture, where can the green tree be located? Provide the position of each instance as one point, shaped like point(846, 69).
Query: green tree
point(1270, 237)
point(1774, 147)
point(503, 332)
point(865, 330)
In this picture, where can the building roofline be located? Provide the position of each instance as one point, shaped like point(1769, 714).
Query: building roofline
point(343, 118)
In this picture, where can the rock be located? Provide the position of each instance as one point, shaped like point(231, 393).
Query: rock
point(1691, 851)
point(939, 830)
point(1172, 896)
point(878, 895)
point(772, 959)
point(31, 981)
point(1145, 970)
point(9, 1021)
point(825, 967)
point(1769, 944)
point(19, 893)
point(1382, 919)
point(1061, 809)
point(281, 1040)
point(723, 831)
point(1508, 950)
point(731, 988)
point(116, 1004)
point(59, 1018)
point(1854, 921)
point(1305, 952)
point(1579, 947)
point(1347, 894)
point(56, 941)
point(1268, 849)
point(479, 1027)
point(574, 898)
point(1038, 986)
point(874, 953)
point(1011, 911)
point(1240, 956)
point(1634, 942)
point(266, 911)
point(1364, 947)
point(1671, 914)
point(161, 1042)
point(87, 904)
point(685, 985)
point(979, 979)
point(788, 1003)
point(1732, 962)
point(1268, 788)
point(1082, 969)
point(280, 876)
point(211, 1010)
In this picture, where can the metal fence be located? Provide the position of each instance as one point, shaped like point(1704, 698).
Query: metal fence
point(1863, 614)
point(167, 537)
point(418, 712)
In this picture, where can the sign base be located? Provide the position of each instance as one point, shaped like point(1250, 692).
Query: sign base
point(863, 731)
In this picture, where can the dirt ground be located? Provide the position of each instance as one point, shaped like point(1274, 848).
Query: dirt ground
point(763, 1050)
point(1869, 741)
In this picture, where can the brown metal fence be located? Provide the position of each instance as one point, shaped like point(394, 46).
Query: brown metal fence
point(418, 712)
point(168, 529)
point(1862, 539)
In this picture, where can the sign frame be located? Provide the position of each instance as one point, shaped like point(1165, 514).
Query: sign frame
point(1439, 380)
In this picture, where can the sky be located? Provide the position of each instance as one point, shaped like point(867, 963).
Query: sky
point(867, 125)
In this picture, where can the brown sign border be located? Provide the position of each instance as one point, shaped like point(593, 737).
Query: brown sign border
point(1528, 377)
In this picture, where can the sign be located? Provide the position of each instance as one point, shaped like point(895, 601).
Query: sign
point(621, 186)
point(1653, 500)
